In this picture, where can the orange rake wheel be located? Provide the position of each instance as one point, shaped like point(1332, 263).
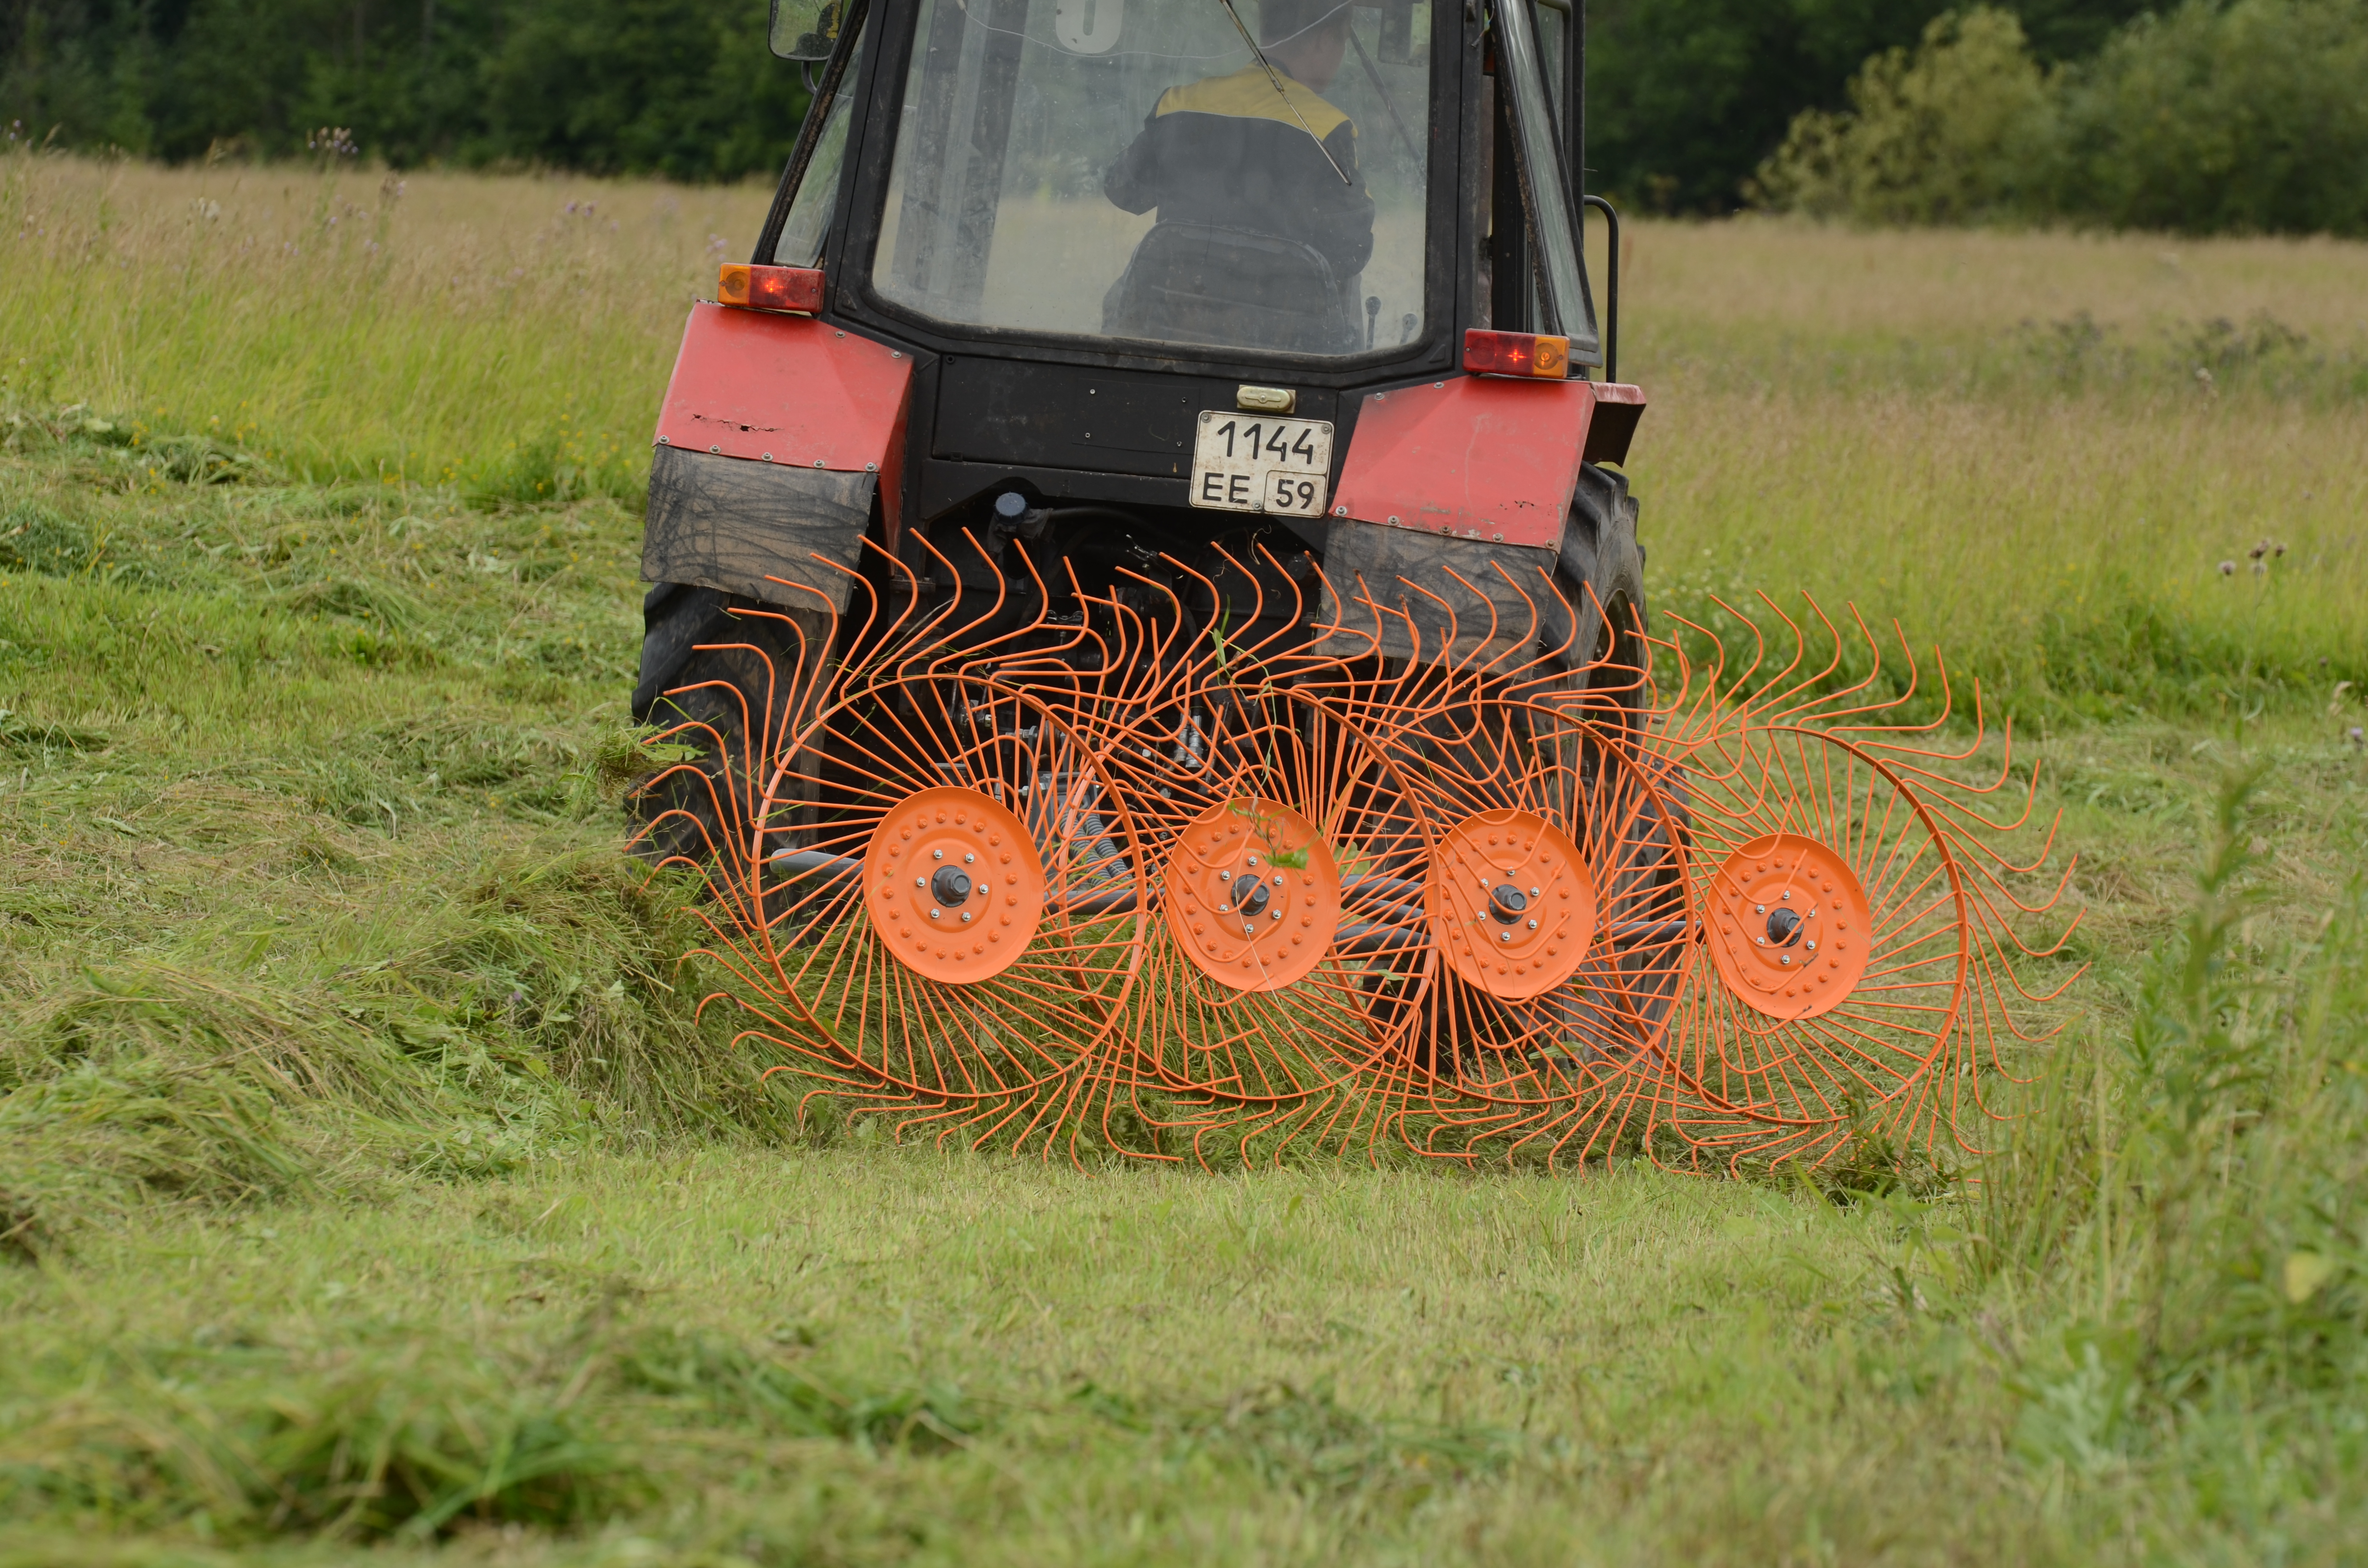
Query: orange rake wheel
point(1289, 956)
point(1840, 947)
point(1286, 954)
point(948, 903)
point(1555, 894)
point(1559, 903)
point(1827, 810)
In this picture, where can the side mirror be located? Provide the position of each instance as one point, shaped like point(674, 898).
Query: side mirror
point(806, 29)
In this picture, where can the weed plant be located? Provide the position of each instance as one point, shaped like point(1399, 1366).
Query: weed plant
point(2186, 1199)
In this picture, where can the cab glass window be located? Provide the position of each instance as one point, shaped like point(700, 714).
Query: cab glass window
point(1134, 169)
point(1563, 303)
point(807, 226)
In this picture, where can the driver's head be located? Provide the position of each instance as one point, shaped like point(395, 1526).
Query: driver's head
point(1306, 38)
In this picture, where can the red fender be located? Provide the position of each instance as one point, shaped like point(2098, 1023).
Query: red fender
point(1482, 457)
point(790, 390)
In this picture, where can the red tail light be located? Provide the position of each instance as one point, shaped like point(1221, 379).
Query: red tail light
point(770, 287)
point(1515, 354)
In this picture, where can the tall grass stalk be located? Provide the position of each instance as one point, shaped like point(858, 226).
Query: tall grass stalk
point(2186, 1197)
point(508, 336)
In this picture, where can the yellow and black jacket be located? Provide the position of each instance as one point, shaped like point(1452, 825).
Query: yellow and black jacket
point(1229, 151)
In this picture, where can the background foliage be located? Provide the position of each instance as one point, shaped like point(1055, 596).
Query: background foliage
point(605, 86)
point(1688, 96)
point(2212, 119)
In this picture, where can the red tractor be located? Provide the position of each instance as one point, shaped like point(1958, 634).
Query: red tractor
point(1273, 286)
point(1139, 572)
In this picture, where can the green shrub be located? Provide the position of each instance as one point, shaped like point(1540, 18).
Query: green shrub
point(2247, 118)
point(1947, 134)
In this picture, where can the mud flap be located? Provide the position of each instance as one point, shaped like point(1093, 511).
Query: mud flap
point(753, 528)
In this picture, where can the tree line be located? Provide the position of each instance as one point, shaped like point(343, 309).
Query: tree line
point(606, 86)
point(2249, 117)
point(1686, 98)
point(1884, 109)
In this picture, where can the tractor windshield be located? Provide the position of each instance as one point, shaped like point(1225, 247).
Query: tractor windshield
point(1136, 169)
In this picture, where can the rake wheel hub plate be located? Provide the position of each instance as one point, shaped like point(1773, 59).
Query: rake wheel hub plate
point(1511, 903)
point(1252, 894)
point(954, 885)
point(1789, 926)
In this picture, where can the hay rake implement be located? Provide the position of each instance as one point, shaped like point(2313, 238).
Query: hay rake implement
point(1152, 628)
point(1107, 882)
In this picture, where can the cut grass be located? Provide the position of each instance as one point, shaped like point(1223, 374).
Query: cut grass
point(365, 1179)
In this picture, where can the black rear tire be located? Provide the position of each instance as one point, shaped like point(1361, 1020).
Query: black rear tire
point(1603, 564)
point(730, 677)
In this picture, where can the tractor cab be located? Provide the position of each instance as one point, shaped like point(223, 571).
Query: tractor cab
point(1061, 296)
point(1250, 185)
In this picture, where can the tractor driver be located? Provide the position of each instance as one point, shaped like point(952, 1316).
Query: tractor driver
point(1229, 151)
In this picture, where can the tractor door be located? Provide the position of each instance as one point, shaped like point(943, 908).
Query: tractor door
point(1535, 279)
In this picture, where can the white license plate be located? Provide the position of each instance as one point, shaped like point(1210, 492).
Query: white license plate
point(1255, 462)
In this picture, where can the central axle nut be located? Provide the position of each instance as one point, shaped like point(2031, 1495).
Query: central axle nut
point(1250, 895)
point(1784, 927)
point(949, 887)
point(1507, 902)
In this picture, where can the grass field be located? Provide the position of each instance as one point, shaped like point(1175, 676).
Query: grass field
point(365, 1182)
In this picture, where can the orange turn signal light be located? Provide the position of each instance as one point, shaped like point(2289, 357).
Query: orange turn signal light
point(770, 287)
point(1515, 354)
